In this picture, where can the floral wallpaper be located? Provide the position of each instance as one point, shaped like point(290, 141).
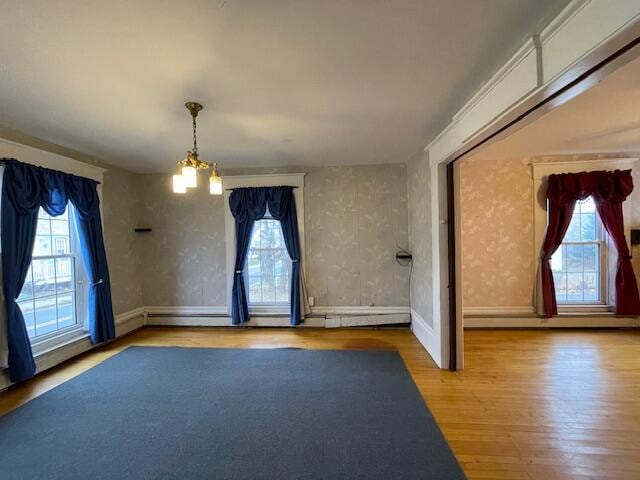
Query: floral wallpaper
point(497, 233)
point(354, 216)
point(419, 208)
point(183, 258)
point(119, 203)
point(498, 257)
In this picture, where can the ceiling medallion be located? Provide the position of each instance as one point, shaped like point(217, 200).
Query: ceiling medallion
point(187, 176)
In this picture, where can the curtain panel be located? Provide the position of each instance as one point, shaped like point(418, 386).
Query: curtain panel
point(609, 190)
point(247, 206)
point(26, 188)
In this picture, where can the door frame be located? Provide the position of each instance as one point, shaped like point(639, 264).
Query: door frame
point(588, 72)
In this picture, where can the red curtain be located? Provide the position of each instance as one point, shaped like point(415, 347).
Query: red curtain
point(609, 190)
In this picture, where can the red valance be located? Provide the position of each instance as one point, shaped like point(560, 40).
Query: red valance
point(602, 185)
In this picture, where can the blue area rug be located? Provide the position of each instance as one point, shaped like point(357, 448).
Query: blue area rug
point(195, 413)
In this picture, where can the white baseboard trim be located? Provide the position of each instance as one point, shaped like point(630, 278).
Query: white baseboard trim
point(359, 310)
point(499, 310)
point(321, 316)
point(562, 321)
point(125, 324)
point(427, 337)
point(204, 311)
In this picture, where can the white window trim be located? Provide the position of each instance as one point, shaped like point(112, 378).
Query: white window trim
point(266, 180)
point(540, 173)
point(43, 158)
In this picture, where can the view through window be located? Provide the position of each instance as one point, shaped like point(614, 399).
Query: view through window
point(268, 265)
point(577, 264)
point(48, 298)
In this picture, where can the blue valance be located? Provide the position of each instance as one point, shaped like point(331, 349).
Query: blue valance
point(26, 188)
point(29, 187)
point(247, 206)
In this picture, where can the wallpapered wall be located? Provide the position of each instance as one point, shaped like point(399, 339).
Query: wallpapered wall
point(353, 218)
point(498, 257)
point(119, 219)
point(419, 207)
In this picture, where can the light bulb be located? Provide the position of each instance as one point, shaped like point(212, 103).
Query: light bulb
point(179, 185)
point(190, 176)
point(215, 183)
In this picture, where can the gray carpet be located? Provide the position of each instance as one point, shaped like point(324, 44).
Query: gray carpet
point(195, 413)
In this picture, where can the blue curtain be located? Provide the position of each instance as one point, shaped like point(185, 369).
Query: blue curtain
point(84, 196)
point(248, 205)
point(26, 188)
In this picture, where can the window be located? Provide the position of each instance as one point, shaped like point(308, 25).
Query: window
point(579, 265)
point(267, 272)
point(49, 297)
point(268, 265)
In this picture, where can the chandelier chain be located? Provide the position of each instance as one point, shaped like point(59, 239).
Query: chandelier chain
point(195, 137)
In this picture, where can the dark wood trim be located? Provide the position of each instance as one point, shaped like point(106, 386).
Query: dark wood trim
point(451, 250)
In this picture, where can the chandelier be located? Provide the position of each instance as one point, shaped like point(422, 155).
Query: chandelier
point(187, 176)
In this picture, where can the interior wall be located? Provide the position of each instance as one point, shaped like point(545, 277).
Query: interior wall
point(419, 208)
point(120, 215)
point(354, 216)
point(498, 257)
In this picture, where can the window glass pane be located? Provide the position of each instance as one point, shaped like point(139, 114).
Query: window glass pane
point(255, 289)
point(254, 264)
point(591, 287)
point(44, 276)
point(574, 258)
point(65, 310)
point(268, 265)
point(282, 289)
point(576, 264)
point(44, 227)
point(588, 226)
point(590, 257)
point(42, 246)
point(27, 289)
point(46, 317)
point(65, 278)
point(59, 227)
point(560, 282)
point(573, 232)
point(268, 289)
point(574, 287)
point(29, 317)
point(49, 293)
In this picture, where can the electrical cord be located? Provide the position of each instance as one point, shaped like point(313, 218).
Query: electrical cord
point(404, 258)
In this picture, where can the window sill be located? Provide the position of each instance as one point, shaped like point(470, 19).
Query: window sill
point(269, 310)
point(55, 342)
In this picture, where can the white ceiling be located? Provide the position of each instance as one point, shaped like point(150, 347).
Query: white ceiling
point(604, 119)
point(284, 82)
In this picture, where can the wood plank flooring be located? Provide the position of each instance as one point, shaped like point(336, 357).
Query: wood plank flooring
point(530, 405)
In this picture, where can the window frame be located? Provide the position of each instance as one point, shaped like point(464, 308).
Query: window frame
point(278, 312)
point(540, 172)
point(602, 240)
point(80, 285)
point(246, 275)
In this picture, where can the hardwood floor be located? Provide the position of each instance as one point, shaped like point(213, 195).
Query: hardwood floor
point(529, 405)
